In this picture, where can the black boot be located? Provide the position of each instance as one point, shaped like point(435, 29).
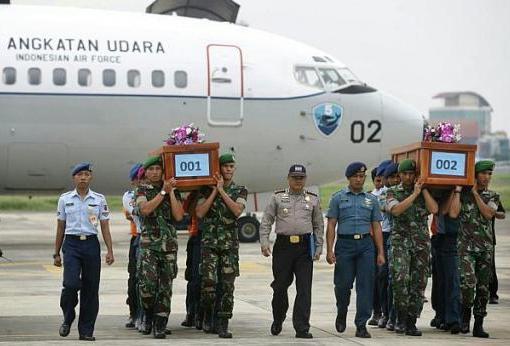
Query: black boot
point(199, 319)
point(222, 326)
point(159, 327)
point(207, 325)
point(189, 321)
point(340, 323)
point(147, 324)
point(400, 326)
point(466, 319)
point(411, 327)
point(478, 328)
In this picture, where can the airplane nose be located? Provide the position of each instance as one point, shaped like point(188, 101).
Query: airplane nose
point(403, 124)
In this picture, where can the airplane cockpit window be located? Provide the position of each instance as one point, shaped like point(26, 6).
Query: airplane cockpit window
point(308, 76)
point(109, 77)
point(34, 76)
point(9, 75)
point(59, 76)
point(84, 77)
point(158, 79)
point(348, 76)
point(331, 78)
point(180, 79)
point(133, 78)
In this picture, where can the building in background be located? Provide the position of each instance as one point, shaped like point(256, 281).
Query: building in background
point(474, 114)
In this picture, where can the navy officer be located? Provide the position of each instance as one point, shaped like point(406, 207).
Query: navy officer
point(79, 214)
point(358, 217)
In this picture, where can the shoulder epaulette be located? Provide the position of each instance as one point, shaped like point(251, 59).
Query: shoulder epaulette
point(311, 193)
point(279, 191)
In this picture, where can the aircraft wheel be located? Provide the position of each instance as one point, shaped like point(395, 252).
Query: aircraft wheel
point(248, 228)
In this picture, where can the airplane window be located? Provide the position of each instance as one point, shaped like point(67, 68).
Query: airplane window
point(84, 77)
point(34, 76)
point(133, 78)
point(109, 77)
point(308, 76)
point(9, 75)
point(331, 78)
point(59, 76)
point(348, 76)
point(181, 79)
point(158, 79)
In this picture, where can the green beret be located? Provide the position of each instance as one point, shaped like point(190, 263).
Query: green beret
point(151, 161)
point(406, 165)
point(484, 165)
point(227, 158)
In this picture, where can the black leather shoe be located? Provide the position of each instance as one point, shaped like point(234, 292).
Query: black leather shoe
point(159, 327)
point(390, 326)
point(189, 321)
point(478, 328)
point(64, 330)
point(223, 331)
point(411, 329)
point(493, 300)
point(276, 328)
point(87, 338)
point(374, 320)
point(454, 328)
point(362, 332)
point(340, 323)
point(383, 322)
point(304, 335)
point(130, 323)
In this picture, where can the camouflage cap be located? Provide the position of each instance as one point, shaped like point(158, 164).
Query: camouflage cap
point(227, 158)
point(484, 165)
point(406, 165)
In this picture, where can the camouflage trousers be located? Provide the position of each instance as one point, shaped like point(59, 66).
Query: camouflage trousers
point(156, 273)
point(409, 272)
point(219, 269)
point(475, 277)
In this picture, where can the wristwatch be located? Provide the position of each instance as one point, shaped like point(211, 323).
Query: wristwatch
point(56, 255)
point(162, 192)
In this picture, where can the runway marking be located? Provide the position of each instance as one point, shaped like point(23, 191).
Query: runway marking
point(252, 267)
point(52, 269)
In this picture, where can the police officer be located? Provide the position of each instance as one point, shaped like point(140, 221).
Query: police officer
point(299, 238)
point(79, 212)
point(410, 205)
point(357, 215)
point(128, 206)
point(476, 207)
point(159, 206)
point(219, 207)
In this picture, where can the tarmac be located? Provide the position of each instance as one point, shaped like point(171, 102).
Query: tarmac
point(30, 291)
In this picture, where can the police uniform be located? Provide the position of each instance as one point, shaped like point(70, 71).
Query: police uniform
point(299, 235)
point(82, 255)
point(354, 250)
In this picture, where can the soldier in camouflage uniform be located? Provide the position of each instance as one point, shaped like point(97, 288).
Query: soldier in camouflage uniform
point(219, 207)
point(476, 207)
point(159, 205)
point(410, 205)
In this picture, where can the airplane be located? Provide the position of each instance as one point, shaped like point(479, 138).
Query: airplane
point(105, 86)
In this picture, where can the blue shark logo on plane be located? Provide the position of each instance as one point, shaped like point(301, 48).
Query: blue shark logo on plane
point(327, 117)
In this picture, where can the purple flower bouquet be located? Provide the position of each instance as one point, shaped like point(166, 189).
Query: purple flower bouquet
point(443, 132)
point(187, 134)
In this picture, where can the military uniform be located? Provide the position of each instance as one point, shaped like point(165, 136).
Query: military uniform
point(158, 254)
point(475, 244)
point(410, 252)
point(219, 264)
point(299, 226)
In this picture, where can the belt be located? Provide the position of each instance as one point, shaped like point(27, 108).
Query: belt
point(81, 236)
point(353, 236)
point(293, 239)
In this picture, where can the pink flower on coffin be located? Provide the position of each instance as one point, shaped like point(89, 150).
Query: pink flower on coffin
point(187, 134)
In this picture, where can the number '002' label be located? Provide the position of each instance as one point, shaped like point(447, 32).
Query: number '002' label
point(445, 163)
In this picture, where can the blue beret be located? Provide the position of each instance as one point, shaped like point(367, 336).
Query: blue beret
point(82, 166)
point(391, 169)
point(382, 166)
point(133, 172)
point(354, 168)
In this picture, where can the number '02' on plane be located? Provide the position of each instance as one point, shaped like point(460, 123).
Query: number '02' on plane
point(108, 87)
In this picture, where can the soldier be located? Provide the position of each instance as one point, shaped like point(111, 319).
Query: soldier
point(410, 205)
point(358, 216)
point(128, 206)
point(219, 207)
point(493, 287)
point(79, 213)
point(476, 207)
point(299, 238)
point(159, 206)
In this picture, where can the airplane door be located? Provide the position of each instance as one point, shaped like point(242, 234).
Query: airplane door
point(37, 164)
point(225, 90)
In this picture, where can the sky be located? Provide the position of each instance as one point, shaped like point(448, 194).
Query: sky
point(413, 49)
